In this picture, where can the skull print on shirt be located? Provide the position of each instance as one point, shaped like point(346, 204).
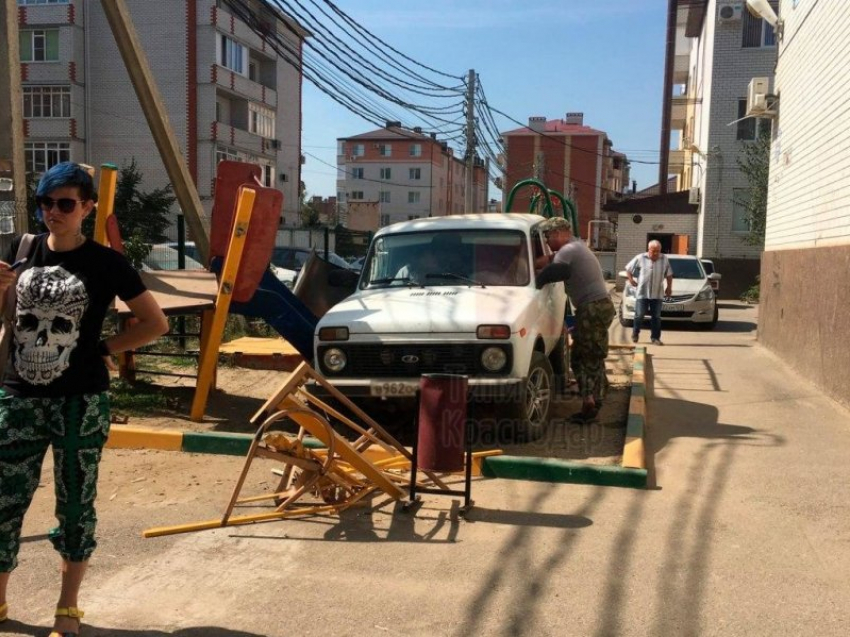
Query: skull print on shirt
point(51, 303)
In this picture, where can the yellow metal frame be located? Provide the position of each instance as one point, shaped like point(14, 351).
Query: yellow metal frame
point(107, 186)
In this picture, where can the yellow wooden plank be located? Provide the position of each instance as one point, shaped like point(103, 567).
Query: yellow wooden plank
point(258, 346)
point(142, 438)
point(105, 201)
point(634, 456)
point(209, 353)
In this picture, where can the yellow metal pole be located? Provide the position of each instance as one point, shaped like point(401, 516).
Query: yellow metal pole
point(105, 200)
point(209, 353)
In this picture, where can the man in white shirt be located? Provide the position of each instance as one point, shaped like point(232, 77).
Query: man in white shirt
point(655, 281)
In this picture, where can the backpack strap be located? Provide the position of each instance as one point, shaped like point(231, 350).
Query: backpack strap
point(24, 248)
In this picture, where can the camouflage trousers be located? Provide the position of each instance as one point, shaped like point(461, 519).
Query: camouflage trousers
point(590, 347)
point(76, 427)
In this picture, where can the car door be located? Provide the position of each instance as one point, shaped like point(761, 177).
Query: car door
point(551, 299)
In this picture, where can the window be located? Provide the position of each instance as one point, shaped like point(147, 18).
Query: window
point(41, 45)
point(358, 150)
point(747, 128)
point(252, 71)
point(384, 196)
point(357, 173)
point(47, 101)
point(222, 154)
point(740, 214)
point(416, 173)
point(386, 173)
point(356, 194)
point(41, 156)
point(385, 150)
point(757, 32)
point(385, 220)
point(413, 196)
point(416, 150)
point(261, 120)
point(268, 175)
point(233, 55)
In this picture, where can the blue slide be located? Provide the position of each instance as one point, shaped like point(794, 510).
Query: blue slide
point(279, 307)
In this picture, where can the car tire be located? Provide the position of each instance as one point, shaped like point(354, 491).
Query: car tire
point(623, 321)
point(559, 359)
point(535, 399)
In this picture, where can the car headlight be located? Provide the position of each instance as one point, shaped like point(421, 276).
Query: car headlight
point(630, 291)
point(493, 359)
point(334, 359)
point(705, 294)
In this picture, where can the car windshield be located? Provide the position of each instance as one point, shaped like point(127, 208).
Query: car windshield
point(448, 257)
point(682, 269)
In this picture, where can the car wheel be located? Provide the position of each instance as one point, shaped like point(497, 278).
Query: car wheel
point(713, 324)
point(559, 359)
point(623, 321)
point(535, 398)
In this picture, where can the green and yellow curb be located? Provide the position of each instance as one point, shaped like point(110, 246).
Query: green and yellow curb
point(632, 472)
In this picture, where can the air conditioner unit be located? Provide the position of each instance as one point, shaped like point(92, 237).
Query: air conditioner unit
point(352, 158)
point(757, 97)
point(693, 196)
point(275, 143)
point(729, 10)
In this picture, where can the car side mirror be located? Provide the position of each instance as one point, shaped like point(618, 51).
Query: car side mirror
point(343, 278)
point(714, 276)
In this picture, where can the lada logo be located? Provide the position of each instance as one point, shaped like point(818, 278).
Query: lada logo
point(409, 358)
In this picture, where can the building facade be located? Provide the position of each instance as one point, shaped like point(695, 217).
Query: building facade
point(719, 47)
point(805, 265)
point(568, 157)
point(226, 93)
point(409, 175)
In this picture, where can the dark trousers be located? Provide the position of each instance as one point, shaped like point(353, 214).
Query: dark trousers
point(654, 307)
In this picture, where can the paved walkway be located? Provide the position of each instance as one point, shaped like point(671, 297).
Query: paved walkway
point(746, 532)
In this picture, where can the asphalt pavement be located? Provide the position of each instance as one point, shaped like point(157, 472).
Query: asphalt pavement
point(745, 531)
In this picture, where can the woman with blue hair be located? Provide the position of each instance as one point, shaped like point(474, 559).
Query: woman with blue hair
point(53, 392)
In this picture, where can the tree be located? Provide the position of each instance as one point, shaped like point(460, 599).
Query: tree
point(309, 214)
point(143, 217)
point(754, 162)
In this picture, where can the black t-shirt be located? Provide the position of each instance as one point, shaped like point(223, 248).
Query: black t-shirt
point(63, 298)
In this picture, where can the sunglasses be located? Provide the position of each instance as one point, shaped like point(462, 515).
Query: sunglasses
point(65, 206)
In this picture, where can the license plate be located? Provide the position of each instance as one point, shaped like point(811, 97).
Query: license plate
point(673, 307)
point(393, 388)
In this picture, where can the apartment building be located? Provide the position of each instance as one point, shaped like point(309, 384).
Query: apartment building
point(227, 94)
point(804, 270)
point(576, 160)
point(408, 173)
point(719, 47)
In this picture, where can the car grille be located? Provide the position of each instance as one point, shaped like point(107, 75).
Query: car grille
point(383, 361)
point(676, 314)
point(678, 299)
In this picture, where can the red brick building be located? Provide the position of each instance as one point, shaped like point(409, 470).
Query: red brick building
point(569, 157)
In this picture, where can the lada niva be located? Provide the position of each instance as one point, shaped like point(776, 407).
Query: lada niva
point(452, 295)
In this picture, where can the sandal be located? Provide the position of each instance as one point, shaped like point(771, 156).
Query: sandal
point(4, 611)
point(73, 613)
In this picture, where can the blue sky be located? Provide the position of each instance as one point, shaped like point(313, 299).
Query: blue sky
point(539, 57)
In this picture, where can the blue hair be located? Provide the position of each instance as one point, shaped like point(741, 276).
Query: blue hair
point(67, 174)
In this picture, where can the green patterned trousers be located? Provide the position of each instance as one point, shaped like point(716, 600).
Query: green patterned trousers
point(590, 347)
point(76, 427)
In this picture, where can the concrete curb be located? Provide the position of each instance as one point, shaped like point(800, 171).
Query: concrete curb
point(631, 474)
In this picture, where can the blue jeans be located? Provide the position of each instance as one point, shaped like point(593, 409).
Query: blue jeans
point(654, 307)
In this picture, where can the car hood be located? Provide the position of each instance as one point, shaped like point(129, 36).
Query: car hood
point(681, 287)
point(446, 309)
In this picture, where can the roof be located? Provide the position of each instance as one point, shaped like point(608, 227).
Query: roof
point(673, 203)
point(391, 134)
point(502, 220)
point(557, 126)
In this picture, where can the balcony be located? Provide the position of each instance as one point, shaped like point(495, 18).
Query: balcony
point(677, 162)
point(241, 140)
point(241, 86)
point(679, 112)
point(681, 67)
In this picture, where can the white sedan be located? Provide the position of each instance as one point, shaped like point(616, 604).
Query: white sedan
point(693, 299)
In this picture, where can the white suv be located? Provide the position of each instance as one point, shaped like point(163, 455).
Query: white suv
point(453, 295)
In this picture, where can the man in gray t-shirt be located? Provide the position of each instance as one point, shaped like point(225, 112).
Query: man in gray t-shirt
point(654, 282)
point(574, 263)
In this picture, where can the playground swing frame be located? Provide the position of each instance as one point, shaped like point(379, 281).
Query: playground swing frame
point(547, 193)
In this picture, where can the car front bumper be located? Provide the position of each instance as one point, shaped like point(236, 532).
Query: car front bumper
point(684, 312)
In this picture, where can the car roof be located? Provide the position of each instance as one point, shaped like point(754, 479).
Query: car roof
point(507, 221)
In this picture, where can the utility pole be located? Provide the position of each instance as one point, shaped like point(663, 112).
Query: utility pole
point(136, 62)
point(12, 161)
point(470, 140)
